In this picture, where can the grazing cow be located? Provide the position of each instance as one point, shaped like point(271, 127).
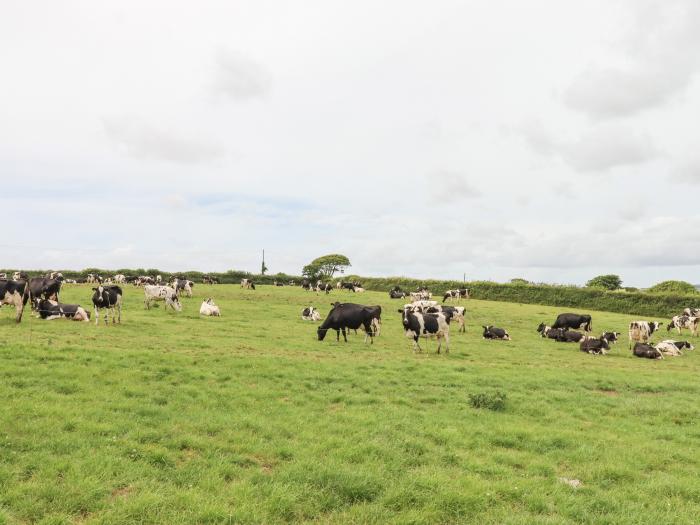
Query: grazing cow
point(692, 312)
point(44, 287)
point(461, 293)
point(421, 295)
point(640, 331)
point(49, 310)
point(209, 308)
point(418, 324)
point(109, 298)
point(154, 292)
point(15, 293)
point(453, 312)
point(673, 348)
point(323, 287)
point(310, 314)
point(247, 284)
point(684, 321)
point(344, 316)
point(646, 351)
point(592, 345)
point(611, 337)
point(183, 285)
point(17, 276)
point(491, 332)
point(574, 321)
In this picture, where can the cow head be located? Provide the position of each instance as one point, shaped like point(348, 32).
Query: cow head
point(321, 333)
point(99, 294)
point(541, 328)
point(176, 303)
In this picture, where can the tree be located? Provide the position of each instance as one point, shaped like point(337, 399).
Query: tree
point(518, 280)
point(609, 282)
point(326, 266)
point(674, 287)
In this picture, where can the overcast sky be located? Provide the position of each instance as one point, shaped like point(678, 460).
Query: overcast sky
point(551, 140)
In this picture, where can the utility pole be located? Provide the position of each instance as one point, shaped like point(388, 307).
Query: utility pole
point(263, 268)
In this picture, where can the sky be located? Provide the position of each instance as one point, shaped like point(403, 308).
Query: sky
point(551, 140)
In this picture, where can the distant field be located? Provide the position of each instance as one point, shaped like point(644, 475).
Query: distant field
point(175, 419)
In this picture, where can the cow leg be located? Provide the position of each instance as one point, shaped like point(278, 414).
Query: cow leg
point(447, 343)
point(345, 336)
point(97, 316)
point(337, 335)
point(114, 314)
point(119, 306)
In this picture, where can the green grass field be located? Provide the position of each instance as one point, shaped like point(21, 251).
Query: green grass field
point(172, 418)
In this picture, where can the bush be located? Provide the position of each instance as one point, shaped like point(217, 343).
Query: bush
point(609, 282)
point(491, 400)
point(675, 287)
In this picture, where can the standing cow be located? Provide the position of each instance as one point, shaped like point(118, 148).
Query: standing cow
point(110, 299)
point(349, 316)
point(15, 293)
point(154, 293)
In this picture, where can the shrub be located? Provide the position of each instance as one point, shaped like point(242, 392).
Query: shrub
point(491, 400)
point(609, 282)
point(675, 287)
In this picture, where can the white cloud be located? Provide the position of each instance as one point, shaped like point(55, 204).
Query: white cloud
point(239, 77)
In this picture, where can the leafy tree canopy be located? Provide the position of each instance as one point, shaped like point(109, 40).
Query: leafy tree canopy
point(674, 287)
point(518, 280)
point(326, 266)
point(609, 282)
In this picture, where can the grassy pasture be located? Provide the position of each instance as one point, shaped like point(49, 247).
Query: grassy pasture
point(173, 419)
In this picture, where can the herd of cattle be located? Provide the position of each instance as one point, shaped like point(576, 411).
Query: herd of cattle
point(422, 317)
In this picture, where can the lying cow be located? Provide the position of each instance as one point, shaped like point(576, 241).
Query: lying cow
point(344, 316)
point(673, 348)
point(310, 314)
point(611, 337)
point(109, 298)
point(640, 331)
point(570, 336)
point(15, 293)
point(461, 293)
point(418, 325)
point(209, 308)
point(592, 345)
point(154, 293)
point(573, 321)
point(684, 321)
point(646, 351)
point(492, 332)
point(396, 294)
point(49, 310)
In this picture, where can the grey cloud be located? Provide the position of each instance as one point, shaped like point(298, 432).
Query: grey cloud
point(687, 172)
point(451, 187)
point(144, 141)
point(240, 78)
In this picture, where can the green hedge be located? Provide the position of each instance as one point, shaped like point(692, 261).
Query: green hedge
point(620, 301)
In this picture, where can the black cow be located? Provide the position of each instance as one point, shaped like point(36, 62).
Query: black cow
point(646, 351)
point(349, 316)
point(574, 321)
point(594, 346)
point(109, 297)
point(396, 294)
point(570, 336)
point(15, 293)
point(44, 288)
point(418, 324)
point(49, 310)
point(492, 332)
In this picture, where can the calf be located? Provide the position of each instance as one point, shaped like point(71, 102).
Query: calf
point(646, 351)
point(574, 321)
point(417, 324)
point(49, 310)
point(209, 308)
point(310, 314)
point(344, 316)
point(673, 348)
point(684, 321)
point(15, 293)
point(492, 332)
point(167, 294)
point(592, 345)
point(640, 331)
point(109, 298)
point(461, 293)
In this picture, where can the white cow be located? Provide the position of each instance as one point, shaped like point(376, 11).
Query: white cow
point(209, 308)
point(161, 293)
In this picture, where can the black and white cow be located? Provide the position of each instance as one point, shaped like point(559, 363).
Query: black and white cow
point(310, 314)
point(44, 288)
point(611, 337)
point(591, 345)
point(49, 310)
point(247, 284)
point(209, 308)
point(646, 351)
point(421, 295)
point(684, 321)
point(184, 286)
point(573, 321)
point(453, 312)
point(108, 298)
point(17, 276)
point(15, 293)
point(570, 336)
point(155, 292)
point(641, 331)
point(461, 293)
point(344, 316)
point(417, 325)
point(692, 312)
point(396, 294)
point(492, 332)
point(673, 348)
point(323, 287)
